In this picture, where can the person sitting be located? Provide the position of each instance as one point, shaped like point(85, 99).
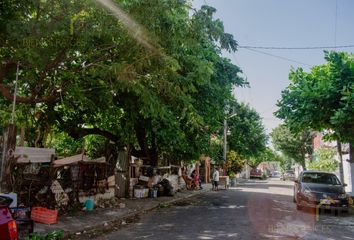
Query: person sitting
point(190, 184)
point(196, 179)
point(156, 178)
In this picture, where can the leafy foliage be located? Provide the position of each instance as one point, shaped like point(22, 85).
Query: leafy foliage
point(159, 91)
point(216, 149)
point(55, 235)
point(294, 147)
point(248, 136)
point(64, 145)
point(324, 160)
point(322, 99)
point(234, 163)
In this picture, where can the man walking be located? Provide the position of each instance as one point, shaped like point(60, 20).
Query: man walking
point(216, 177)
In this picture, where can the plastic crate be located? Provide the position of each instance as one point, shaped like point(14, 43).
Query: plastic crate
point(44, 215)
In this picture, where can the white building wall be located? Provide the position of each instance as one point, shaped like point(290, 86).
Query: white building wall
point(348, 170)
point(245, 172)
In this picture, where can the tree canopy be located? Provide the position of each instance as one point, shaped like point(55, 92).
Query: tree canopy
point(295, 147)
point(152, 81)
point(322, 99)
point(247, 133)
point(324, 160)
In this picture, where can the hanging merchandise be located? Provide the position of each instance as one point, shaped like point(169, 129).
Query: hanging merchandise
point(61, 197)
point(74, 172)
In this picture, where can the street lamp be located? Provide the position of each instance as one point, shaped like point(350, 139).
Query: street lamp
point(225, 142)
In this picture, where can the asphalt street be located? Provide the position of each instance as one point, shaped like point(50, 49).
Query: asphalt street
point(254, 210)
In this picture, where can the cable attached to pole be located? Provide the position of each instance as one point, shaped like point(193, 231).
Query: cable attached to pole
point(15, 94)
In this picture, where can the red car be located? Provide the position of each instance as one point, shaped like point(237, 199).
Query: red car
point(8, 226)
point(256, 173)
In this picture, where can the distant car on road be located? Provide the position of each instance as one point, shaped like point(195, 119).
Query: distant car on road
point(288, 175)
point(256, 173)
point(320, 189)
point(276, 174)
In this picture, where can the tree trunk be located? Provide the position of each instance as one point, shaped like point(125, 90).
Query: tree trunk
point(153, 151)
point(8, 159)
point(303, 164)
point(351, 170)
point(339, 150)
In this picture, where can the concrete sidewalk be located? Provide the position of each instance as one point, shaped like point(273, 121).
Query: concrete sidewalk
point(100, 218)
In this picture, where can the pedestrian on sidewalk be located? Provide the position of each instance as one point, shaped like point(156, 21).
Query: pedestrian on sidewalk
point(216, 178)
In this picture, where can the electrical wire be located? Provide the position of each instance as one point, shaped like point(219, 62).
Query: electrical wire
point(296, 48)
point(276, 56)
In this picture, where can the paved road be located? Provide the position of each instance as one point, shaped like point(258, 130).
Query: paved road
point(255, 210)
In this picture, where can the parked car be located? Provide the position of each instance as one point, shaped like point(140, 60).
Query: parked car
point(288, 175)
point(320, 189)
point(276, 174)
point(8, 226)
point(256, 173)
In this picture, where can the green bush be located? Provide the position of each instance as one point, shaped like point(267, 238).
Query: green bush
point(55, 235)
point(63, 144)
point(324, 160)
point(234, 163)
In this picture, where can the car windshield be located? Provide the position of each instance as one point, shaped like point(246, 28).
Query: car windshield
point(289, 172)
point(320, 178)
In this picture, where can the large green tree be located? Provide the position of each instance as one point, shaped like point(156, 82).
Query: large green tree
point(247, 133)
point(294, 146)
point(147, 75)
point(322, 99)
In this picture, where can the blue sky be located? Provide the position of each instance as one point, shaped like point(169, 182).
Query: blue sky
point(281, 23)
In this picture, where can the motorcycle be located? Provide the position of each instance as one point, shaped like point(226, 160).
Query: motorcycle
point(8, 225)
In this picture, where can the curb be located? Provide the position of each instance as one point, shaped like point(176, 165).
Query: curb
point(351, 201)
point(123, 220)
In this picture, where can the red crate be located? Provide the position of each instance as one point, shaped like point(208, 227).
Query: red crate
point(44, 215)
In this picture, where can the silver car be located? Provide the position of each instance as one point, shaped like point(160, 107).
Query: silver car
point(288, 175)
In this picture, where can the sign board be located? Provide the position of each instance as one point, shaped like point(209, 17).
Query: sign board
point(33, 155)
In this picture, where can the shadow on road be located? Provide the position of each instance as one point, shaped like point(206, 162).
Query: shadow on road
point(264, 185)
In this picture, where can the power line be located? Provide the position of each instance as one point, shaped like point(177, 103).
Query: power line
point(296, 48)
point(276, 56)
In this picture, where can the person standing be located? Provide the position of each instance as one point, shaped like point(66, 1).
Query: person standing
point(216, 178)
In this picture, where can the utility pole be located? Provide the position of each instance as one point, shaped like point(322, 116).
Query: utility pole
point(225, 147)
point(225, 142)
